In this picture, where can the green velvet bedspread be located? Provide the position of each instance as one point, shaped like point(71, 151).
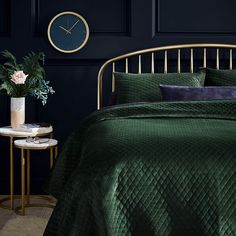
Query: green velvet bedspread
point(149, 169)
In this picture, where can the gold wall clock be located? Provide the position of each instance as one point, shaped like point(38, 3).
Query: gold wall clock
point(68, 32)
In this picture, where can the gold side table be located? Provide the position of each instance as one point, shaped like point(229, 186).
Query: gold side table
point(22, 144)
point(12, 134)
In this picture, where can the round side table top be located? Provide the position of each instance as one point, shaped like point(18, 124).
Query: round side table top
point(8, 131)
point(21, 143)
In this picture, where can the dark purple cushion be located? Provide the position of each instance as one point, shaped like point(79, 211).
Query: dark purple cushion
point(185, 93)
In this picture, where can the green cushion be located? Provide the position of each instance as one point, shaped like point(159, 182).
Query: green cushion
point(216, 77)
point(145, 87)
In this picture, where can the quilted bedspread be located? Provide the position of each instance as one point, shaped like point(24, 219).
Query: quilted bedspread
point(148, 169)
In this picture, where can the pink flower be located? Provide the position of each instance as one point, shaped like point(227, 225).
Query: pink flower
point(19, 77)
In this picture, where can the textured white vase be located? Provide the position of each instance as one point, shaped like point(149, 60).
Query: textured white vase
point(17, 112)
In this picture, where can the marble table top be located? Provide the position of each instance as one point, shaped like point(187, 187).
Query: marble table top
point(31, 145)
point(8, 131)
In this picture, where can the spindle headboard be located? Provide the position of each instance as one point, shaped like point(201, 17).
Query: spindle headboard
point(165, 49)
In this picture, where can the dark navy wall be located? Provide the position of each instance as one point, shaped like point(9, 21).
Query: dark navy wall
point(117, 26)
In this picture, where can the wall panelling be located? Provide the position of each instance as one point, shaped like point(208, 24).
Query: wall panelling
point(5, 18)
point(117, 27)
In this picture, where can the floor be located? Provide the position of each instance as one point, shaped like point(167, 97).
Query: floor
point(32, 224)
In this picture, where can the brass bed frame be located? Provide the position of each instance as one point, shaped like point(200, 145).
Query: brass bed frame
point(164, 49)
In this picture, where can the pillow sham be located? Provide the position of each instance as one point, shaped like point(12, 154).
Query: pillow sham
point(112, 99)
point(216, 77)
point(145, 87)
point(185, 93)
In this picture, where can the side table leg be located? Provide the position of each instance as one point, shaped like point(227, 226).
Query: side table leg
point(51, 157)
point(11, 173)
point(28, 176)
point(22, 182)
point(56, 152)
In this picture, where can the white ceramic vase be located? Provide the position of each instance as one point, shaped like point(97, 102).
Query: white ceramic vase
point(17, 112)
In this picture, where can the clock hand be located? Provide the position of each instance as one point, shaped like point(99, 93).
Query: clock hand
point(73, 26)
point(67, 31)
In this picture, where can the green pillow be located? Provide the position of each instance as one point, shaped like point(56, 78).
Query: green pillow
point(216, 77)
point(145, 87)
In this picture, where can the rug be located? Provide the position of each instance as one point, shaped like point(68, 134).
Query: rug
point(24, 226)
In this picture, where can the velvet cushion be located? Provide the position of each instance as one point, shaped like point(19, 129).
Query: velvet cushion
point(145, 87)
point(216, 77)
point(185, 93)
point(113, 99)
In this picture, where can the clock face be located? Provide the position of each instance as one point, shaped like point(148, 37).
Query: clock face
point(68, 32)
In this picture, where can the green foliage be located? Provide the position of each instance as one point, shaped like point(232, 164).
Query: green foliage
point(35, 84)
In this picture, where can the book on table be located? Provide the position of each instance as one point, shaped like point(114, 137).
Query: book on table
point(34, 127)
